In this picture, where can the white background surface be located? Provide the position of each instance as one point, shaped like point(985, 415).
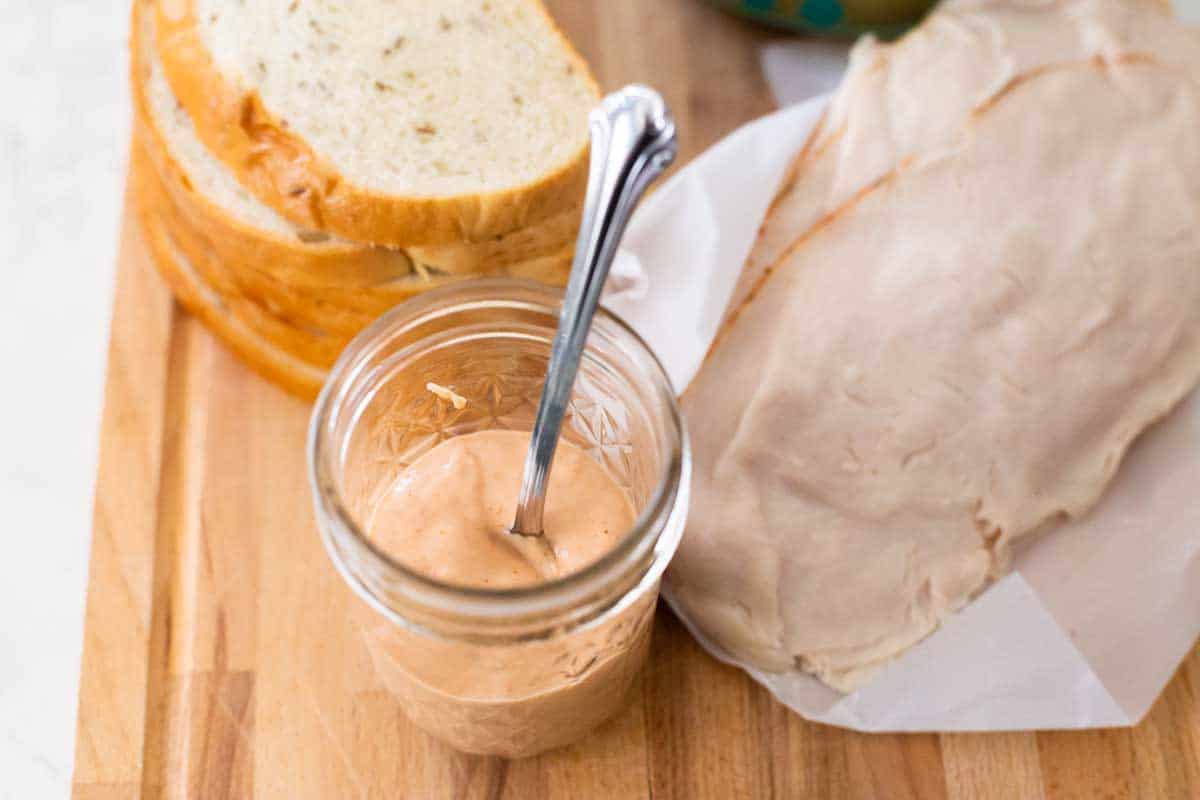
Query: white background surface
point(64, 124)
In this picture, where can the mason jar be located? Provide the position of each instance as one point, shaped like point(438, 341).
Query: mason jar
point(514, 671)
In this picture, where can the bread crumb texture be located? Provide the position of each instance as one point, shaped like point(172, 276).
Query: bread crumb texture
point(410, 97)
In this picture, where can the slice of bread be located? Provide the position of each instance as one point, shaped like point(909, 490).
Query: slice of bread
point(333, 308)
point(401, 123)
point(282, 345)
point(310, 298)
point(190, 290)
point(312, 344)
point(250, 231)
point(252, 238)
point(537, 241)
point(313, 324)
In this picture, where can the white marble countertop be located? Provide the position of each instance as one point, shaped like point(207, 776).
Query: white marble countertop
point(64, 126)
point(64, 130)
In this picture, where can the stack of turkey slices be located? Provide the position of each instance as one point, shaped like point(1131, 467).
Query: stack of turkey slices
point(300, 167)
point(979, 284)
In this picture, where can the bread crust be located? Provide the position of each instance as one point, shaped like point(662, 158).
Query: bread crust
point(282, 170)
point(314, 297)
point(313, 301)
point(333, 264)
point(267, 359)
point(177, 241)
point(270, 346)
point(543, 239)
point(333, 261)
point(286, 334)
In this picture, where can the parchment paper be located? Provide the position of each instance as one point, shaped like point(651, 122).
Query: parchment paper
point(1095, 616)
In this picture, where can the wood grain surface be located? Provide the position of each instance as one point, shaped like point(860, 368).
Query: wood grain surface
point(222, 653)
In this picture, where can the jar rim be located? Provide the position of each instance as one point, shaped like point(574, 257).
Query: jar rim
point(346, 541)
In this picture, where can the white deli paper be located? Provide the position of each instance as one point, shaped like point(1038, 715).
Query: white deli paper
point(1095, 616)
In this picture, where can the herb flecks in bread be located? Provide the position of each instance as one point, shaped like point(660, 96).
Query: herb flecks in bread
point(300, 267)
point(404, 165)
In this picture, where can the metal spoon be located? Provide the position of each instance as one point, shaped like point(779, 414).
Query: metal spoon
point(633, 141)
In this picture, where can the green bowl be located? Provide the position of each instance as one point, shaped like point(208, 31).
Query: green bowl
point(844, 18)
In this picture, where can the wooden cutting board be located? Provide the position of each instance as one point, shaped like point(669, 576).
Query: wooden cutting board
point(222, 655)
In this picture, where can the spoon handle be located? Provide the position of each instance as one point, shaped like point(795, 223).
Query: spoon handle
point(633, 141)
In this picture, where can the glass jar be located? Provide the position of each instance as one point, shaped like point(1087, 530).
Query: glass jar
point(509, 672)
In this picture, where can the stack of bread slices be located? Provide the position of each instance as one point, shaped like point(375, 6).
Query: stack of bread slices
point(302, 166)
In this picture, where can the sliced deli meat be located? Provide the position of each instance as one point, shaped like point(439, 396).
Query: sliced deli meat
point(953, 358)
